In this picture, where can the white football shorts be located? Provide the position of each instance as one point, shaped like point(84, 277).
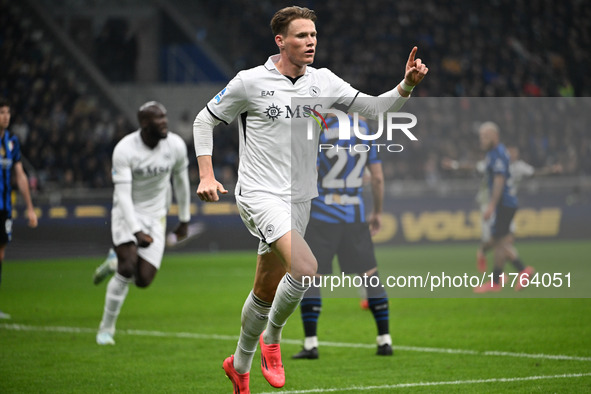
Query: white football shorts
point(269, 217)
point(154, 227)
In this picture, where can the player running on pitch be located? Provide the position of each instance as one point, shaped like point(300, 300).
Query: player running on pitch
point(143, 164)
point(272, 197)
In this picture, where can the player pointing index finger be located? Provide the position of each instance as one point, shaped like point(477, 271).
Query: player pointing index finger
point(415, 69)
point(274, 199)
point(411, 57)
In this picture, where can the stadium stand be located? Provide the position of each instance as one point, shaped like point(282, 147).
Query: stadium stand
point(67, 133)
point(474, 49)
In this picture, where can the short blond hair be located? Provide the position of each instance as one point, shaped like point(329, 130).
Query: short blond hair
point(489, 126)
point(284, 16)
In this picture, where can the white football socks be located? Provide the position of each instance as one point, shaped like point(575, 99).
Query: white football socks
point(287, 298)
point(117, 289)
point(384, 339)
point(310, 343)
point(255, 313)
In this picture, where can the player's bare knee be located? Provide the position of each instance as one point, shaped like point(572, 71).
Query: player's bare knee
point(312, 267)
point(305, 268)
point(126, 268)
point(126, 259)
point(145, 273)
point(143, 282)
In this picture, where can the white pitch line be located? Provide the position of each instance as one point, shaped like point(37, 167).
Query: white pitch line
point(424, 384)
point(191, 335)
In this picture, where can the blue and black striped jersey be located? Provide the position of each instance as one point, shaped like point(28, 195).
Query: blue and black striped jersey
point(497, 162)
point(340, 176)
point(10, 153)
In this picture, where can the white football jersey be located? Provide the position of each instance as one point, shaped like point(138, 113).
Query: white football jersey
point(519, 170)
point(270, 160)
point(148, 170)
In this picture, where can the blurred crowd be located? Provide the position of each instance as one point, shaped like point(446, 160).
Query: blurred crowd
point(66, 135)
point(547, 132)
point(473, 48)
point(501, 48)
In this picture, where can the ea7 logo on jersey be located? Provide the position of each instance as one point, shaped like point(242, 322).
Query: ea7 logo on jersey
point(265, 93)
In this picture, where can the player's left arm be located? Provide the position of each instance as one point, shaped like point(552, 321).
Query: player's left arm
point(377, 190)
point(547, 170)
point(22, 182)
point(495, 197)
point(182, 191)
point(455, 165)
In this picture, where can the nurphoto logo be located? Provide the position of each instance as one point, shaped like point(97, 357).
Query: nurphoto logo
point(344, 129)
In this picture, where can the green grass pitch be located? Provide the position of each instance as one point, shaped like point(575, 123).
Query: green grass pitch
point(173, 336)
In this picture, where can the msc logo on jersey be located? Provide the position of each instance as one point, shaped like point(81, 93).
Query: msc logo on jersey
point(218, 97)
point(151, 171)
point(273, 112)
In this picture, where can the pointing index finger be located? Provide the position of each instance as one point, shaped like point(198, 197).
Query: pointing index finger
point(411, 57)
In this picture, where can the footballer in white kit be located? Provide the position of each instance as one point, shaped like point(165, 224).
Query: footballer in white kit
point(277, 176)
point(262, 98)
point(148, 171)
point(143, 164)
